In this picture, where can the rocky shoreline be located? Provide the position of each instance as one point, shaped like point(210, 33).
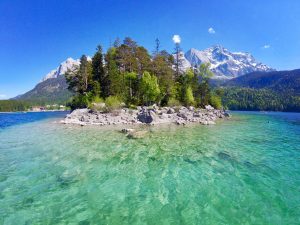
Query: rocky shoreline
point(146, 115)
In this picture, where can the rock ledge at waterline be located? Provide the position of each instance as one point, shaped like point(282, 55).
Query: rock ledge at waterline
point(146, 115)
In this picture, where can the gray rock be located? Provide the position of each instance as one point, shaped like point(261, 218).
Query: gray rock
point(226, 114)
point(209, 107)
point(182, 115)
point(191, 108)
point(171, 111)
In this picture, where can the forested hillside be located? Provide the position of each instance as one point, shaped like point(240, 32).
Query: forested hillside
point(51, 91)
point(276, 91)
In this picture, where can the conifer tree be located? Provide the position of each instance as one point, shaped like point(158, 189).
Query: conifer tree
point(100, 79)
point(80, 78)
point(114, 76)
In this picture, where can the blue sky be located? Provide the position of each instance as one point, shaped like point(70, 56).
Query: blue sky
point(36, 35)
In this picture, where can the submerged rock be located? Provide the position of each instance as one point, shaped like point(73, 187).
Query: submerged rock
point(127, 130)
point(137, 134)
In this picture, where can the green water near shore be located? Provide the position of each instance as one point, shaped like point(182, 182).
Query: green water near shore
point(242, 171)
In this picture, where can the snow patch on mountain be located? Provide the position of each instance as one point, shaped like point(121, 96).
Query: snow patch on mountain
point(223, 63)
point(69, 64)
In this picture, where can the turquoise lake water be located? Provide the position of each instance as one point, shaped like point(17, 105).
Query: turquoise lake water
point(245, 170)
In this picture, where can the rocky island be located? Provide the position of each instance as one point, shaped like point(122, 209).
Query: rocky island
point(146, 115)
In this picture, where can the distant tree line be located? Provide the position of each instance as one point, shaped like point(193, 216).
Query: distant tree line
point(14, 105)
point(250, 99)
point(128, 73)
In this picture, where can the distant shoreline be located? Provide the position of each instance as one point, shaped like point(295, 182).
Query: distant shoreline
point(36, 111)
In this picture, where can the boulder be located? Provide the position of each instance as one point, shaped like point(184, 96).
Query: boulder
point(146, 116)
point(209, 107)
point(171, 111)
point(191, 108)
point(226, 114)
point(182, 115)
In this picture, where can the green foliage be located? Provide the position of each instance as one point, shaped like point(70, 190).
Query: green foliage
point(131, 86)
point(202, 88)
point(80, 79)
point(98, 99)
point(14, 105)
point(116, 81)
point(79, 101)
point(215, 101)
point(149, 89)
point(185, 88)
point(112, 103)
point(50, 91)
point(260, 99)
point(188, 97)
point(133, 76)
point(100, 78)
point(173, 102)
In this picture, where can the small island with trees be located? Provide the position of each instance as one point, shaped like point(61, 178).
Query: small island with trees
point(127, 85)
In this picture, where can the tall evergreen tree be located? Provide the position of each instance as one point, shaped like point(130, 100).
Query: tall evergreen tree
point(178, 60)
point(143, 60)
point(80, 79)
point(113, 73)
point(203, 90)
point(162, 68)
point(100, 79)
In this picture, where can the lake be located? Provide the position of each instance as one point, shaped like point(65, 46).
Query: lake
point(245, 170)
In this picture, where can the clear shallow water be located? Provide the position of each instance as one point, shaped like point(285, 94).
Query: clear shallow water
point(242, 171)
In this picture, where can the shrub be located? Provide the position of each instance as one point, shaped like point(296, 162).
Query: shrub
point(97, 104)
point(188, 97)
point(173, 102)
point(97, 99)
point(132, 106)
point(79, 101)
point(216, 101)
point(112, 103)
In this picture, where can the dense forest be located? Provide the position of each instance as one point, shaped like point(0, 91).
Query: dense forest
point(14, 105)
point(268, 91)
point(51, 91)
point(250, 99)
point(128, 74)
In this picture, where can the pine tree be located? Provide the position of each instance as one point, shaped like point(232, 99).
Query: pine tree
point(80, 79)
point(99, 77)
point(114, 76)
point(162, 68)
point(143, 60)
point(178, 60)
point(203, 90)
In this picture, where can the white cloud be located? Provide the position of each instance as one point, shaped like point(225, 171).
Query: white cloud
point(266, 46)
point(176, 38)
point(211, 30)
point(2, 96)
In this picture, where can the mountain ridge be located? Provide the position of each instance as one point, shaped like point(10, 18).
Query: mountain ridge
point(225, 64)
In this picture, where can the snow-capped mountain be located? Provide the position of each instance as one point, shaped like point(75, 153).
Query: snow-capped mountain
point(70, 63)
point(223, 63)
